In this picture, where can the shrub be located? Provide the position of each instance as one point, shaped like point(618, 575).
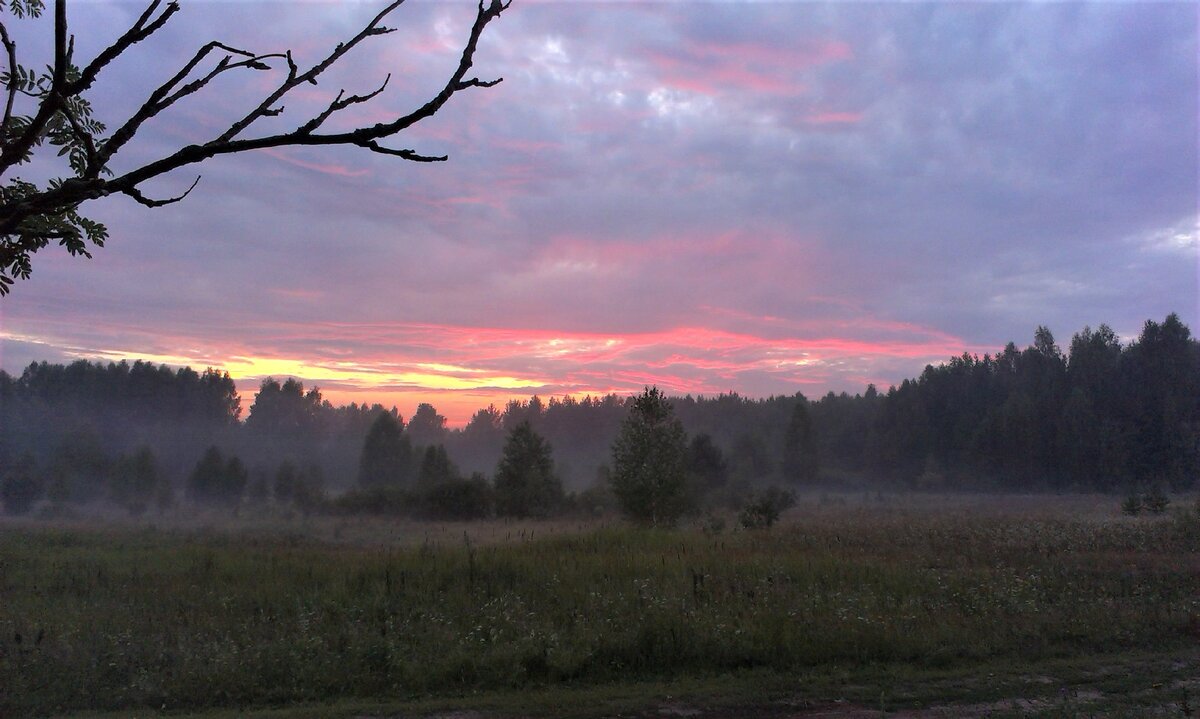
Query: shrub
point(390, 501)
point(460, 499)
point(20, 486)
point(764, 510)
point(1132, 505)
point(1156, 501)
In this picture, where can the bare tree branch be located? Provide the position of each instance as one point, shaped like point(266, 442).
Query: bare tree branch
point(142, 29)
point(310, 76)
point(143, 200)
point(406, 154)
point(163, 97)
point(31, 216)
point(365, 137)
point(10, 47)
point(340, 104)
point(60, 90)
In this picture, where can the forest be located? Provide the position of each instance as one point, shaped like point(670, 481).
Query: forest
point(1098, 415)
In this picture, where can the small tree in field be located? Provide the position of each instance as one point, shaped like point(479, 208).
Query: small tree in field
point(764, 510)
point(526, 485)
point(649, 476)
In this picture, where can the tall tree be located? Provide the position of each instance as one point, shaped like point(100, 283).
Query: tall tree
point(1163, 401)
point(387, 455)
point(436, 467)
point(800, 461)
point(706, 463)
point(427, 427)
point(51, 109)
point(649, 475)
point(526, 484)
point(216, 480)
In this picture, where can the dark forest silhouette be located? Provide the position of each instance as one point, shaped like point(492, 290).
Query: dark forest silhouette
point(1097, 417)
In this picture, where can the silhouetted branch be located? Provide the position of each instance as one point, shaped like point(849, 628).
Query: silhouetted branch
point(10, 48)
point(142, 29)
point(60, 94)
point(143, 200)
point(406, 154)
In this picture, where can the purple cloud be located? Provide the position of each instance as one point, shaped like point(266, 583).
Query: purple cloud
point(867, 187)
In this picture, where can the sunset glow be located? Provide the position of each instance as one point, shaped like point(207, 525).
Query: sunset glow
point(759, 198)
point(493, 365)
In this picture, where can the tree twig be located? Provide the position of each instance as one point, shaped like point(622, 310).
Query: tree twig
point(10, 47)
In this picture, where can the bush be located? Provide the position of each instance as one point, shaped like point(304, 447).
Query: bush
point(764, 510)
point(20, 486)
point(1156, 501)
point(389, 501)
point(460, 499)
point(1132, 505)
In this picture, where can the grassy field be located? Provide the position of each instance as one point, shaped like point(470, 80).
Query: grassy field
point(887, 605)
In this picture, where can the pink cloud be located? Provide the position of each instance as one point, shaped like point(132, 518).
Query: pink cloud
point(444, 363)
point(323, 168)
point(712, 68)
point(834, 118)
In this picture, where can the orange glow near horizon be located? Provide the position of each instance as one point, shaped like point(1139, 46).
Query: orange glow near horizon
point(462, 369)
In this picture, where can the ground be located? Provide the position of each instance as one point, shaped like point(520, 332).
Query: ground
point(860, 605)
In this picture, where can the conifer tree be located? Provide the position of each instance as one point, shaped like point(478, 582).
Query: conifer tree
point(386, 455)
point(526, 484)
point(800, 461)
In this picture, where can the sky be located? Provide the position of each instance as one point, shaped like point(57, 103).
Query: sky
point(754, 197)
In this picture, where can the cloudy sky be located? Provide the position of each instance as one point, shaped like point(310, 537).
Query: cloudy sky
point(764, 197)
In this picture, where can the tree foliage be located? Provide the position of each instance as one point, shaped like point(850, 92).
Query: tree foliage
point(1103, 416)
point(135, 481)
point(20, 485)
point(217, 481)
point(460, 499)
point(427, 427)
point(649, 476)
point(763, 511)
point(436, 468)
point(47, 112)
point(800, 461)
point(387, 455)
point(706, 463)
point(526, 484)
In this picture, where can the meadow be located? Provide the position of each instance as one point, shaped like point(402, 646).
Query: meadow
point(246, 614)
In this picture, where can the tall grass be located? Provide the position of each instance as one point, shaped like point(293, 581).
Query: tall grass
point(122, 619)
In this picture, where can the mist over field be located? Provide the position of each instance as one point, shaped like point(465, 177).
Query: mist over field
point(1100, 416)
point(584, 360)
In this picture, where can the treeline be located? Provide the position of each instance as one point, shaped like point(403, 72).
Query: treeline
point(1098, 416)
